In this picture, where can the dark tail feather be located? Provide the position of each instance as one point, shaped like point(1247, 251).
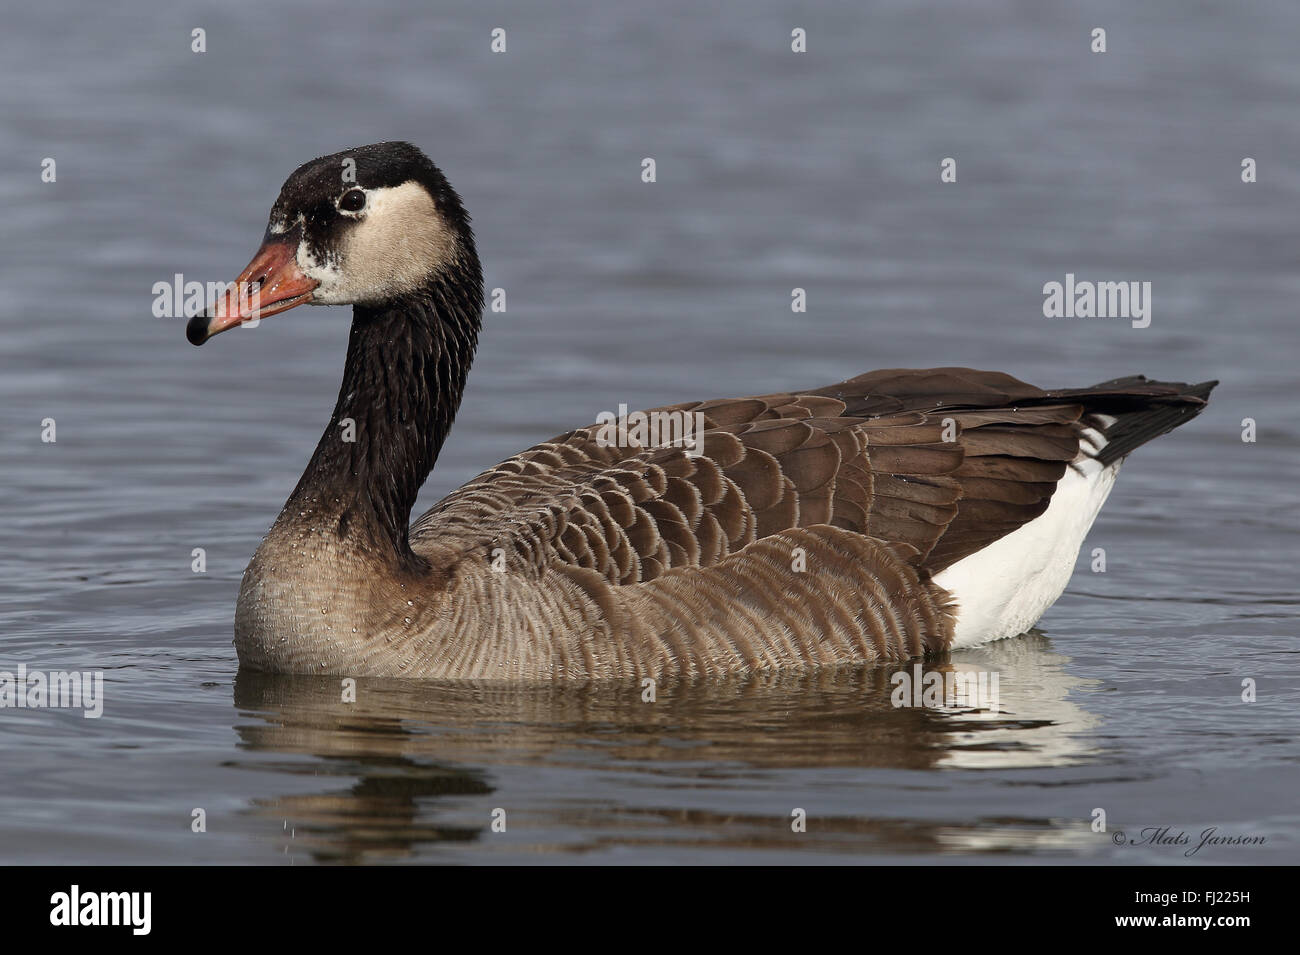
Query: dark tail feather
point(1143, 409)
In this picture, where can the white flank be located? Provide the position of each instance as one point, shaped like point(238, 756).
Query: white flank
point(1004, 589)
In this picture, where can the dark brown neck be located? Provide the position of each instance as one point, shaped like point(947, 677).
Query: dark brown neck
point(405, 375)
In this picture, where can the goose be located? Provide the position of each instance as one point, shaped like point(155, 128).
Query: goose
point(900, 513)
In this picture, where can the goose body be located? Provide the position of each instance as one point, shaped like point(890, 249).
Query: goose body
point(898, 513)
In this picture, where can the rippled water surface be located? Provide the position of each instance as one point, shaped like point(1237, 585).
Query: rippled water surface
point(775, 170)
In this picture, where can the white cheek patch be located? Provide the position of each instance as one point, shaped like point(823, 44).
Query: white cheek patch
point(398, 242)
point(331, 288)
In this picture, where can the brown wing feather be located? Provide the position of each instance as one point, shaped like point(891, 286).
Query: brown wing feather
point(937, 463)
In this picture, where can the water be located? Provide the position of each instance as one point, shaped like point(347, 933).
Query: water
point(775, 171)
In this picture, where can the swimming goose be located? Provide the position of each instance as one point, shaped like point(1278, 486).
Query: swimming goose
point(895, 514)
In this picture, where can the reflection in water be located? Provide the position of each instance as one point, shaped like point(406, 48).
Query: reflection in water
point(413, 765)
point(1039, 722)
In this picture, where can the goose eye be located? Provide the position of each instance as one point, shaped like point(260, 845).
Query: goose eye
point(354, 200)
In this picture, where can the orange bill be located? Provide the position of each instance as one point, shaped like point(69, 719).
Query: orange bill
point(272, 283)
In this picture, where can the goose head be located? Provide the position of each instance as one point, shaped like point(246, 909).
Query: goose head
point(369, 226)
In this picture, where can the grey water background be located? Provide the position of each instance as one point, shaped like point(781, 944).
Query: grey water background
point(775, 170)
